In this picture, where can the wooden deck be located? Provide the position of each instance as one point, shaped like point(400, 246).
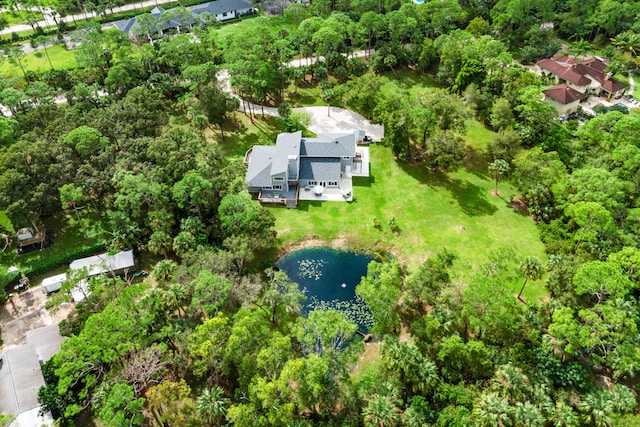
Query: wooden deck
point(278, 197)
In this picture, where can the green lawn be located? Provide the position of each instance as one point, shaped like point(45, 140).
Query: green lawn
point(273, 23)
point(433, 211)
point(307, 95)
point(5, 224)
point(407, 79)
point(20, 16)
point(67, 233)
point(37, 61)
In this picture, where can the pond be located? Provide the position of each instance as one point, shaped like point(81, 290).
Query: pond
point(328, 278)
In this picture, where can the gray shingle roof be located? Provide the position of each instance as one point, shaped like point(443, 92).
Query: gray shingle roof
point(20, 380)
point(127, 25)
point(219, 7)
point(329, 145)
point(20, 374)
point(322, 169)
point(259, 169)
point(287, 144)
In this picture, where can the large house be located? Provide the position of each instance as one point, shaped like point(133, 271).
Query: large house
point(306, 168)
point(563, 97)
point(220, 9)
point(586, 78)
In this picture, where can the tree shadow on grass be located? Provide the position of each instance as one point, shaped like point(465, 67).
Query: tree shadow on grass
point(477, 162)
point(363, 181)
point(472, 199)
point(305, 204)
point(301, 98)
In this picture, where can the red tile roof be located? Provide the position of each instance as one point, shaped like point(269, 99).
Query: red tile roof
point(563, 94)
point(577, 72)
point(565, 71)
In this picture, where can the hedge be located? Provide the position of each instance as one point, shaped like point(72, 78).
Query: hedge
point(40, 266)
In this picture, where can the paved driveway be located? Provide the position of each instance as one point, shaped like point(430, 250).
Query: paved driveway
point(341, 120)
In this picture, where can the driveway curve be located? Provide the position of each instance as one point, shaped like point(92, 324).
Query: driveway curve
point(323, 120)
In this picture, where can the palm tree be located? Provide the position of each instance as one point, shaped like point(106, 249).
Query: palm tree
point(527, 414)
point(490, 410)
point(531, 268)
point(627, 41)
point(511, 383)
point(381, 411)
point(213, 405)
point(579, 48)
point(497, 169)
point(564, 416)
point(175, 297)
point(597, 407)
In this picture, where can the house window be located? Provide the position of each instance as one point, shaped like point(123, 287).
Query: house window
point(313, 182)
point(332, 183)
point(346, 157)
point(277, 187)
point(224, 14)
point(278, 178)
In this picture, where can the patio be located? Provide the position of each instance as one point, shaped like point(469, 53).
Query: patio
point(342, 194)
point(594, 101)
point(361, 162)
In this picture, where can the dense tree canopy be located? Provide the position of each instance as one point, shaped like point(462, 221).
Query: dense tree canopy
point(218, 336)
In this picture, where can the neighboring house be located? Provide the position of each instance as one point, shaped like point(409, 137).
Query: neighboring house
point(306, 168)
point(120, 263)
point(54, 283)
point(221, 9)
point(587, 77)
point(162, 23)
point(224, 9)
point(21, 377)
point(564, 98)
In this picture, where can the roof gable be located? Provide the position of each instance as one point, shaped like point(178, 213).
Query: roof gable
point(581, 73)
point(259, 168)
point(563, 94)
point(329, 145)
point(287, 145)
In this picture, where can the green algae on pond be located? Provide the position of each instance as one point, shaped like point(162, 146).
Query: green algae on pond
point(328, 278)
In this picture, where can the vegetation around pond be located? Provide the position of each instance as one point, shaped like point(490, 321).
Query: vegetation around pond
point(512, 296)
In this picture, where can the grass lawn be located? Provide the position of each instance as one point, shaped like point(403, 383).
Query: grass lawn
point(20, 16)
point(307, 95)
point(433, 211)
point(273, 23)
point(37, 61)
point(5, 224)
point(241, 134)
point(67, 232)
point(410, 80)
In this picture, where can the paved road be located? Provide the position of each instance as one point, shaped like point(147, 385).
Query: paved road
point(79, 16)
